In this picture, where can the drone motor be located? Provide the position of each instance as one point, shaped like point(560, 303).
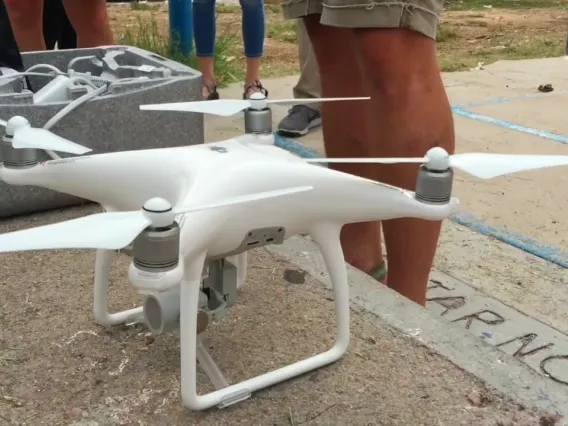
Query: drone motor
point(155, 251)
point(435, 178)
point(258, 121)
point(17, 158)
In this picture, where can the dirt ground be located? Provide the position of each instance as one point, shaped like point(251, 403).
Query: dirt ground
point(59, 368)
point(465, 38)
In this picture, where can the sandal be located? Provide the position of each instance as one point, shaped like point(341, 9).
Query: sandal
point(255, 87)
point(379, 272)
point(212, 93)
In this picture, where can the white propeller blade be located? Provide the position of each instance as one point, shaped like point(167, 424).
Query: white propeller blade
point(31, 137)
point(480, 165)
point(487, 166)
point(26, 136)
point(111, 230)
point(225, 107)
point(369, 160)
point(228, 107)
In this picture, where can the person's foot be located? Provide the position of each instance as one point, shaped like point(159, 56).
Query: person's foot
point(210, 92)
point(299, 121)
point(254, 87)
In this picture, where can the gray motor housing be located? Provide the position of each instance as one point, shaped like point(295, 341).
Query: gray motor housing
point(433, 186)
point(109, 123)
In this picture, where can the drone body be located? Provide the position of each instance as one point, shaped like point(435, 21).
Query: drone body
point(200, 174)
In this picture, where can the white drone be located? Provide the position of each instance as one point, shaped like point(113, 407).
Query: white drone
point(188, 207)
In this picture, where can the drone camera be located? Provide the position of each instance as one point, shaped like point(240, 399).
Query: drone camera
point(162, 312)
point(434, 186)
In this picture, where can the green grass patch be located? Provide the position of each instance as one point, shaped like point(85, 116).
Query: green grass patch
point(145, 34)
point(282, 31)
point(505, 4)
point(136, 5)
point(532, 48)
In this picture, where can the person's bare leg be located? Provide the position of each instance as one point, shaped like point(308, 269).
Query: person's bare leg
point(90, 21)
point(26, 17)
point(207, 69)
point(346, 129)
point(412, 114)
point(253, 71)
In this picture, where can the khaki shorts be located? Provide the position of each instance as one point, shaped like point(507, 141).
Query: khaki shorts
point(418, 15)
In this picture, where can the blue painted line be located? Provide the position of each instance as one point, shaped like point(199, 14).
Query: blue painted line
point(510, 126)
point(295, 147)
point(522, 242)
point(542, 250)
point(492, 101)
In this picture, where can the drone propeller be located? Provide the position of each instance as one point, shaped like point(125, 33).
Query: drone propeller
point(26, 136)
point(480, 165)
point(228, 107)
point(115, 230)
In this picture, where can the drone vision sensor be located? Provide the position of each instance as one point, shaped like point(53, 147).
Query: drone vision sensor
point(187, 210)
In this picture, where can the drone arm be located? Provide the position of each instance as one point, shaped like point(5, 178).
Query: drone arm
point(242, 265)
point(65, 178)
point(367, 200)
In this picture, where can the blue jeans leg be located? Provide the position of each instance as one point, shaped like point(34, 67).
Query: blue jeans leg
point(204, 27)
point(253, 27)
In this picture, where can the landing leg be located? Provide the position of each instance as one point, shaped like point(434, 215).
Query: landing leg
point(327, 238)
point(242, 264)
point(102, 316)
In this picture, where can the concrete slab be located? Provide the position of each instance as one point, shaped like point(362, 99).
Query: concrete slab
point(547, 113)
point(506, 79)
point(517, 279)
point(531, 203)
point(479, 314)
point(60, 368)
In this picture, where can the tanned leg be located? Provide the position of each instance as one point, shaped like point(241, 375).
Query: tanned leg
point(412, 114)
point(90, 21)
point(26, 17)
point(346, 128)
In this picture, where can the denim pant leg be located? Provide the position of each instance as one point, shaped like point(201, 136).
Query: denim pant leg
point(253, 27)
point(204, 27)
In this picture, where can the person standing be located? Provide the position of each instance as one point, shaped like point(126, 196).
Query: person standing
point(253, 27)
point(10, 56)
point(387, 51)
point(56, 26)
point(302, 118)
point(89, 18)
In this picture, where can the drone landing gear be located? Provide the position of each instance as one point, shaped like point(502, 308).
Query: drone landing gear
point(327, 238)
point(103, 262)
